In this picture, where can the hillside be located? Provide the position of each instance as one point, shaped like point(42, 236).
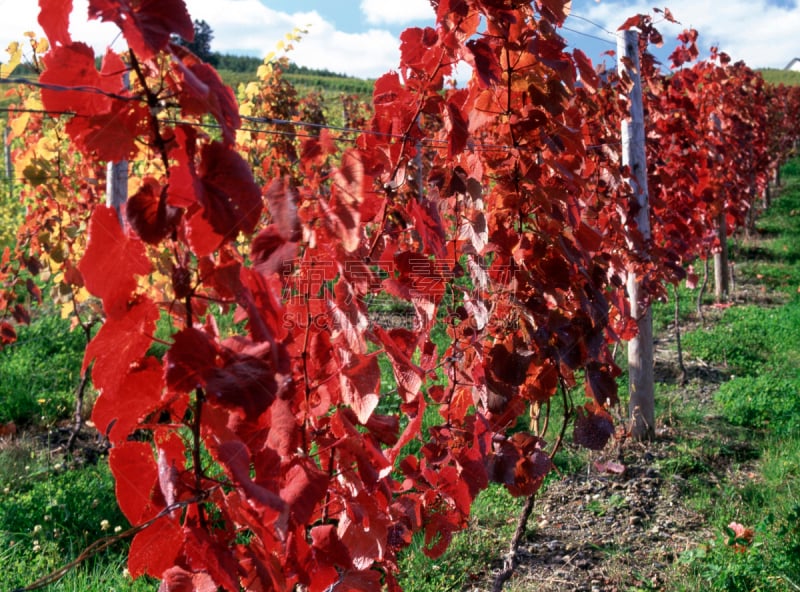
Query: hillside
point(776, 76)
point(241, 69)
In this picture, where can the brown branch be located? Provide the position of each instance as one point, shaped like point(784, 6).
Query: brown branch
point(153, 103)
point(510, 560)
point(81, 390)
point(197, 415)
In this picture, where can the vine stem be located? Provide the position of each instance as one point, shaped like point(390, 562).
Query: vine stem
point(153, 104)
point(199, 399)
point(510, 561)
point(81, 390)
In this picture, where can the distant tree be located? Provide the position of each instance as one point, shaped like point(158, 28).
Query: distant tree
point(201, 44)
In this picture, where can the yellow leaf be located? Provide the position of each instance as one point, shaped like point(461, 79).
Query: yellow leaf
point(82, 295)
point(41, 46)
point(264, 70)
point(15, 52)
point(19, 124)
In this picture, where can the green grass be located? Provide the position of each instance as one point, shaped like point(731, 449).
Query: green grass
point(50, 513)
point(40, 372)
point(747, 337)
point(773, 262)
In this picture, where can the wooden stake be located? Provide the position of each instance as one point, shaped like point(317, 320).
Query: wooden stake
point(117, 183)
point(721, 276)
point(117, 187)
point(641, 405)
point(9, 170)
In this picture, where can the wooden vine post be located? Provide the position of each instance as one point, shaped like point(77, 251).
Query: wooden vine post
point(721, 265)
point(117, 187)
point(8, 168)
point(640, 348)
point(117, 180)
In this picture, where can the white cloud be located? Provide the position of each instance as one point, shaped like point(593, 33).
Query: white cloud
point(247, 26)
point(756, 31)
point(239, 27)
point(396, 12)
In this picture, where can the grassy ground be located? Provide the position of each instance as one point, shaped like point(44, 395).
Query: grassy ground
point(759, 348)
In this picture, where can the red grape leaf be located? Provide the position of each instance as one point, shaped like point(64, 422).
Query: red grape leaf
point(428, 224)
point(328, 547)
point(235, 456)
point(147, 25)
point(112, 261)
point(119, 343)
point(7, 333)
point(589, 76)
point(149, 214)
point(54, 19)
point(139, 394)
point(399, 347)
point(363, 530)
point(206, 93)
point(155, 549)
point(457, 126)
point(177, 579)
point(282, 203)
point(110, 136)
point(360, 384)
point(593, 426)
point(271, 251)
point(74, 66)
point(189, 360)
point(609, 467)
point(519, 464)
point(283, 433)
point(555, 10)
point(487, 65)
point(136, 474)
point(242, 381)
point(304, 487)
point(601, 383)
point(359, 581)
point(230, 198)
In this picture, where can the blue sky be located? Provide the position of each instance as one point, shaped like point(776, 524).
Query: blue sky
point(360, 37)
